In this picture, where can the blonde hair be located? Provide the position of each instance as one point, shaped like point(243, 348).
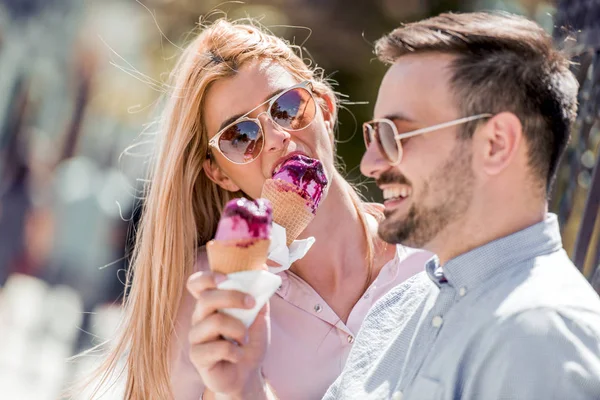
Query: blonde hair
point(182, 206)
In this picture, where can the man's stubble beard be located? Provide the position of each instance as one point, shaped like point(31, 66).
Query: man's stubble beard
point(423, 223)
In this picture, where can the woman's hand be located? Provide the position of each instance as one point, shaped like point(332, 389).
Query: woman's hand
point(230, 366)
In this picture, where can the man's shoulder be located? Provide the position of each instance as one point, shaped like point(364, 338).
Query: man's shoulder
point(546, 322)
point(542, 351)
point(552, 283)
point(537, 333)
point(393, 310)
point(548, 302)
point(403, 298)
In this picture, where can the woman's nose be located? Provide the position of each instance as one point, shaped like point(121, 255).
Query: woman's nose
point(276, 138)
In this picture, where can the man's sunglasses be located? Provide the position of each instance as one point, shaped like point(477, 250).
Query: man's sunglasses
point(242, 141)
point(389, 142)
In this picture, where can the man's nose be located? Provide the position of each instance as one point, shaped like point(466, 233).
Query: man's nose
point(373, 163)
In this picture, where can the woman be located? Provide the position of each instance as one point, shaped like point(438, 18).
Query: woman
point(227, 72)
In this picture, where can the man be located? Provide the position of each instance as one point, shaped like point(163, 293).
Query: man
point(481, 106)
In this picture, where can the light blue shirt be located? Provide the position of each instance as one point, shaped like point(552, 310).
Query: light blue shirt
point(512, 319)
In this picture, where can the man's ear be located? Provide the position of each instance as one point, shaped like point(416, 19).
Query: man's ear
point(502, 139)
point(218, 176)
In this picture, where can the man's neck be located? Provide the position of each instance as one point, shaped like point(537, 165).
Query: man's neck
point(479, 228)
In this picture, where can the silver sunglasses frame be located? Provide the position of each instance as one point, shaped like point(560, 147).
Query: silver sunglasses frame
point(214, 141)
point(399, 136)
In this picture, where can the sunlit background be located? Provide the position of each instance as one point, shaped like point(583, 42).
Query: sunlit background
point(80, 80)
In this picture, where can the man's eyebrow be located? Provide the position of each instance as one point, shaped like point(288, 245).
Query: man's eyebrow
point(399, 117)
point(238, 116)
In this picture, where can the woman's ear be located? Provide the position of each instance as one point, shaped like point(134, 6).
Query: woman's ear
point(218, 176)
point(327, 106)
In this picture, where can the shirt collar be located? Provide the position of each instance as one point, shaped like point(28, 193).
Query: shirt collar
point(476, 266)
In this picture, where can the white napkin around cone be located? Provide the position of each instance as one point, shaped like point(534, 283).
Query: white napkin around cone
point(283, 255)
point(263, 284)
point(259, 284)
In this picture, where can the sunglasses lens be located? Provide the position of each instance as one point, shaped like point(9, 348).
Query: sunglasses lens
point(294, 109)
point(367, 134)
point(387, 140)
point(383, 133)
point(242, 142)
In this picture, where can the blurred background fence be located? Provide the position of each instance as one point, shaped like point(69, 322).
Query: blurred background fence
point(79, 83)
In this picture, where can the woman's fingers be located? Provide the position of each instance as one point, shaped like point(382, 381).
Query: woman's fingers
point(206, 355)
point(209, 326)
point(201, 281)
point(216, 326)
point(209, 301)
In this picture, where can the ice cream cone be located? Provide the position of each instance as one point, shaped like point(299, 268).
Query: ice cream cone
point(228, 256)
point(290, 209)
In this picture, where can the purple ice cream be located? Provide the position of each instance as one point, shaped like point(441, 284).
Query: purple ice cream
point(244, 219)
point(306, 174)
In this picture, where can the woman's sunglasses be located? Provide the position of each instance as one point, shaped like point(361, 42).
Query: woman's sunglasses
point(242, 141)
point(385, 133)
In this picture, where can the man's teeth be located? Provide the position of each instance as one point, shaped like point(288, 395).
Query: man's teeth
point(394, 193)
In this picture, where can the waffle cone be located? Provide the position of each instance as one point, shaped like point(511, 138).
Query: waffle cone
point(226, 256)
point(290, 209)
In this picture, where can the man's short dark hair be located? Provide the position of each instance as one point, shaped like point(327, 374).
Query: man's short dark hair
point(503, 63)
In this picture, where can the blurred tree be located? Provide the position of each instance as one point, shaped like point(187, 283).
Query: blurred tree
point(578, 32)
point(14, 178)
point(24, 8)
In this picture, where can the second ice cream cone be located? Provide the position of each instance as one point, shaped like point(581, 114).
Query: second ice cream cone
point(290, 209)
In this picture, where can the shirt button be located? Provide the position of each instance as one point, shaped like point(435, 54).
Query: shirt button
point(350, 339)
point(397, 396)
point(437, 321)
point(367, 295)
point(462, 291)
point(318, 308)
